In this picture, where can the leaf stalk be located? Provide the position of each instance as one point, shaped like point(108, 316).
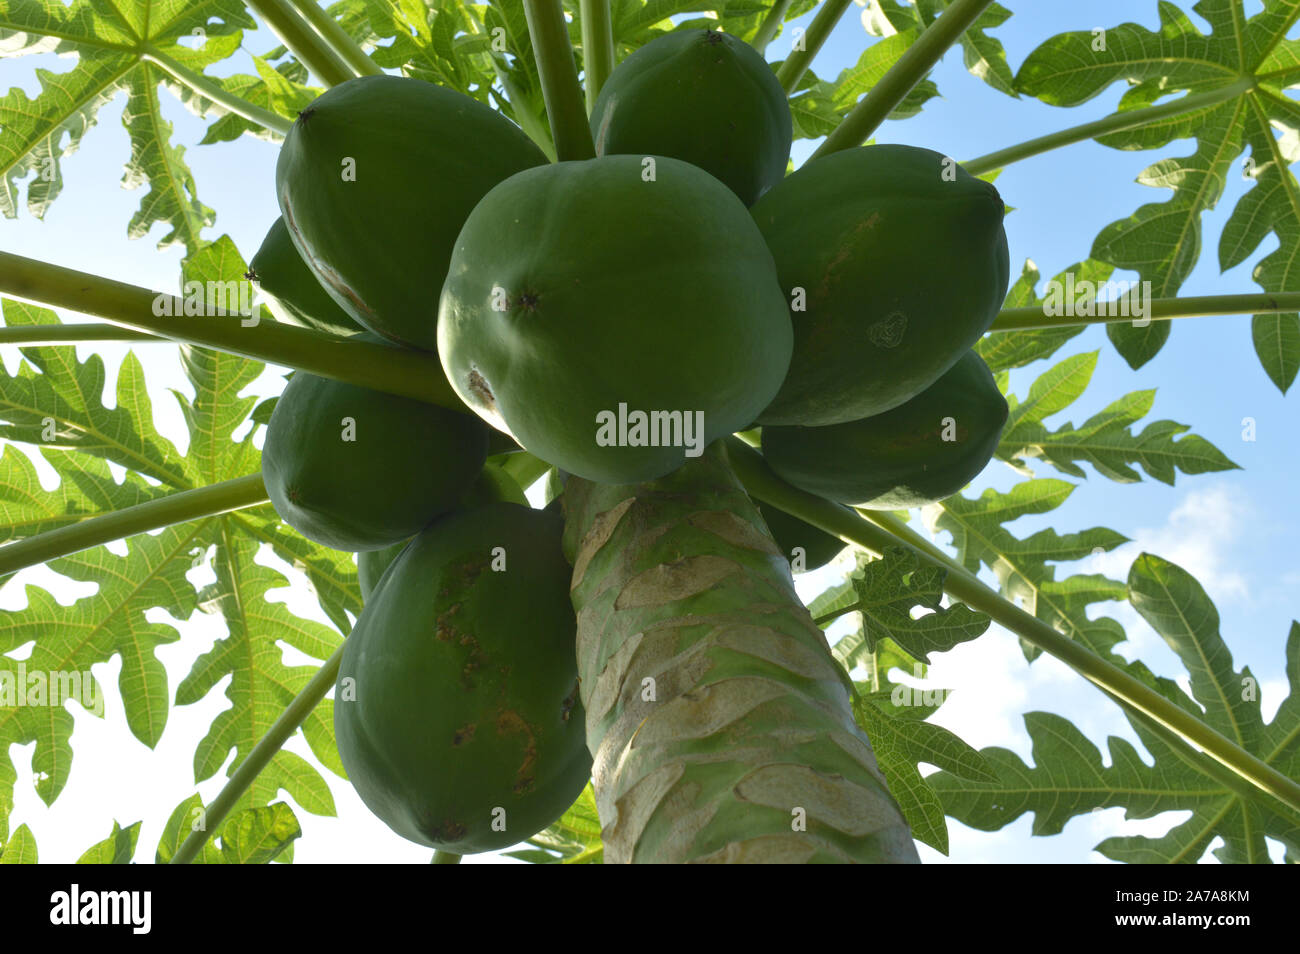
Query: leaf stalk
point(910, 69)
point(960, 584)
point(1115, 122)
point(94, 531)
point(565, 106)
point(248, 770)
point(394, 370)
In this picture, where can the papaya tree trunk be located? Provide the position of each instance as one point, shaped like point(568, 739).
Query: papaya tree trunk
point(720, 725)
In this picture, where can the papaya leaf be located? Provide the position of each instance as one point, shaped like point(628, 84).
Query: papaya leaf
point(1277, 342)
point(425, 44)
point(1022, 565)
point(257, 836)
point(69, 640)
point(332, 574)
point(20, 849)
point(853, 83)
point(573, 839)
point(812, 107)
point(117, 849)
point(634, 20)
point(54, 400)
point(275, 88)
point(248, 836)
point(261, 685)
point(742, 18)
point(261, 413)
point(517, 62)
point(1014, 349)
point(852, 651)
point(884, 591)
point(900, 745)
point(1105, 440)
point(86, 489)
point(889, 589)
point(107, 41)
point(983, 55)
point(64, 399)
point(218, 377)
point(1069, 779)
point(839, 596)
point(1161, 241)
point(817, 106)
point(187, 817)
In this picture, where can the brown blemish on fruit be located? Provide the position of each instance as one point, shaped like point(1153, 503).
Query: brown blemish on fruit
point(527, 301)
point(448, 832)
point(571, 700)
point(846, 252)
point(464, 733)
point(509, 722)
point(457, 579)
point(479, 387)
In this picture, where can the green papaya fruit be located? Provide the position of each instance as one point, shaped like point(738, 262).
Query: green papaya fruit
point(457, 695)
point(918, 453)
point(375, 179)
point(895, 259)
point(356, 469)
point(613, 324)
point(294, 295)
point(493, 485)
point(807, 547)
point(704, 97)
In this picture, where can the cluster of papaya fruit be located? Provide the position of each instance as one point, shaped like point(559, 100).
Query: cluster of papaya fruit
point(613, 317)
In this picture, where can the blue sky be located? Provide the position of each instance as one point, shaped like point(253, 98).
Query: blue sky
point(1234, 531)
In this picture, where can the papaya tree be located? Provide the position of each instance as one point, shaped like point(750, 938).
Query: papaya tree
point(605, 321)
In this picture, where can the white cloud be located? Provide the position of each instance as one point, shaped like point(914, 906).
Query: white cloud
point(1199, 535)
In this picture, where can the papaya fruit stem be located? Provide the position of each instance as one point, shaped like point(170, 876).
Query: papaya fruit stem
point(910, 69)
point(565, 106)
point(333, 36)
point(303, 41)
point(771, 24)
point(962, 585)
point(209, 90)
point(597, 47)
point(1115, 122)
point(96, 530)
point(444, 858)
point(267, 746)
point(1160, 309)
point(823, 24)
point(394, 370)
